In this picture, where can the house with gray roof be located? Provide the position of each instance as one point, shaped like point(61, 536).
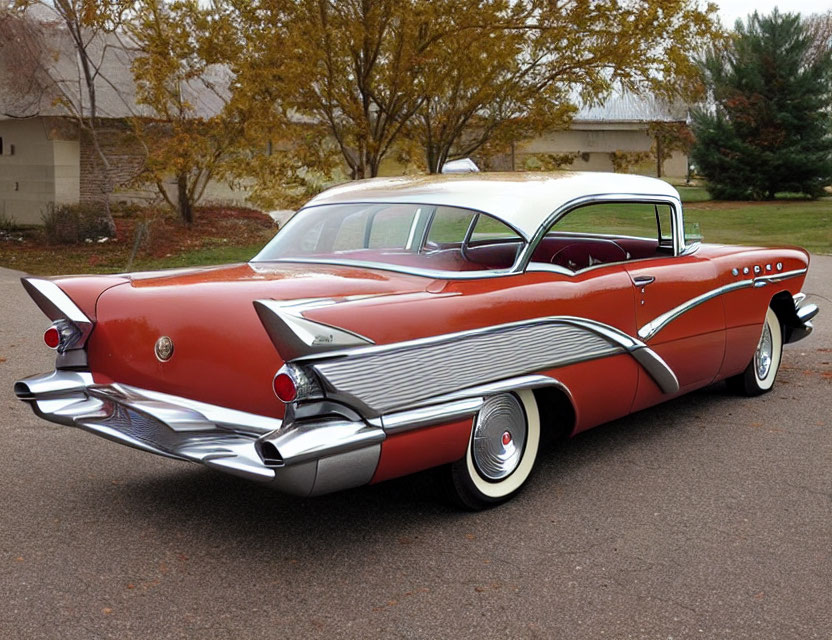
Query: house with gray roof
point(616, 132)
point(46, 156)
point(47, 159)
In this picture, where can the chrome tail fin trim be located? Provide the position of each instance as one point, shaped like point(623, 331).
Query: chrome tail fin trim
point(52, 300)
point(295, 336)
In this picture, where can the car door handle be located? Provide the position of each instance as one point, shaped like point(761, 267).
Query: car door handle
point(643, 281)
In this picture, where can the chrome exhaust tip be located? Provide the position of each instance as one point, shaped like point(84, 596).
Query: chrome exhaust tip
point(269, 454)
point(22, 391)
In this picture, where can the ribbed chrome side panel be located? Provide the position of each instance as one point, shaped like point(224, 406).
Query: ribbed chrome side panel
point(400, 377)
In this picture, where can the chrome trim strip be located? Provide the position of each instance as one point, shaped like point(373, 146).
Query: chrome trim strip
point(435, 274)
point(379, 379)
point(658, 369)
point(432, 415)
point(51, 299)
point(501, 386)
point(777, 277)
point(389, 377)
point(459, 404)
point(650, 329)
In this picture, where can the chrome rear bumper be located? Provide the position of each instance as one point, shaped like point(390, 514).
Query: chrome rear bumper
point(305, 458)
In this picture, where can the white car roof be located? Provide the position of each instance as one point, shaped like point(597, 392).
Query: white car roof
point(522, 200)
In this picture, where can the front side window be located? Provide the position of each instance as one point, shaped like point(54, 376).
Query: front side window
point(407, 236)
point(607, 232)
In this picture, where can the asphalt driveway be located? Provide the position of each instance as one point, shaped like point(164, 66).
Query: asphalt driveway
point(707, 517)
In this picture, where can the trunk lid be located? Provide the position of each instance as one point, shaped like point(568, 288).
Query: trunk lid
point(222, 354)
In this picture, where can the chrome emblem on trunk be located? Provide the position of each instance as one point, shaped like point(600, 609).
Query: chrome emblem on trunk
point(164, 348)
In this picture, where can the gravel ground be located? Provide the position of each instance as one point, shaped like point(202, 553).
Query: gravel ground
point(707, 517)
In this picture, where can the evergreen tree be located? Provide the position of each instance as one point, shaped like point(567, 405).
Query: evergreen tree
point(767, 126)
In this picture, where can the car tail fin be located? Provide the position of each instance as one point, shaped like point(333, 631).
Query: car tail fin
point(59, 308)
point(295, 336)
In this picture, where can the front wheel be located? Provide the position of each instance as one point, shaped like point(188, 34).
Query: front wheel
point(759, 375)
point(501, 453)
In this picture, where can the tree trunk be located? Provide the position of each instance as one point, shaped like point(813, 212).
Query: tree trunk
point(659, 154)
point(433, 155)
point(186, 210)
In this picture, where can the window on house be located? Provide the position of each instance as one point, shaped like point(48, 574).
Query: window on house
point(1, 145)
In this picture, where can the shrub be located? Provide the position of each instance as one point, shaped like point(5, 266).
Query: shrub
point(7, 223)
point(73, 223)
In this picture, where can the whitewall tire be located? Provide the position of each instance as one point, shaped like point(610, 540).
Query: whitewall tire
point(501, 453)
point(761, 372)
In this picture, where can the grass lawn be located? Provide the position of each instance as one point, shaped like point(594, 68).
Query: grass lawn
point(804, 223)
point(219, 235)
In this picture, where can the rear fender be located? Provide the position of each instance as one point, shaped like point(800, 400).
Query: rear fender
point(53, 298)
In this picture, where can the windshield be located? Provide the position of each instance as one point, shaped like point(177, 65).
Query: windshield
point(409, 237)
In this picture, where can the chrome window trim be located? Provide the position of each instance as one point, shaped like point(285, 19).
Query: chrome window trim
point(539, 267)
point(435, 274)
point(548, 267)
point(623, 198)
point(411, 235)
point(691, 248)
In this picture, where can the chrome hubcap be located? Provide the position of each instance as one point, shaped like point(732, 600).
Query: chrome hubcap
point(499, 437)
point(762, 358)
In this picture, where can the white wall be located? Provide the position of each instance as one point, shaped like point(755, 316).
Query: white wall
point(35, 171)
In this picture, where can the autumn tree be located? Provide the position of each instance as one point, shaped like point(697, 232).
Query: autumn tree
point(506, 71)
point(182, 79)
point(356, 66)
point(669, 137)
point(768, 126)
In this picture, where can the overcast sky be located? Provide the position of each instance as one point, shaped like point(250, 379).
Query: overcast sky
point(730, 10)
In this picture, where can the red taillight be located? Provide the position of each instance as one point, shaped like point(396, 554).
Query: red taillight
point(52, 337)
point(284, 387)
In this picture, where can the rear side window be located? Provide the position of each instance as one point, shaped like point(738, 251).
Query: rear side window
point(409, 236)
point(449, 225)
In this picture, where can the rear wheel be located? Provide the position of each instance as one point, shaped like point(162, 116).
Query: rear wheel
point(501, 453)
point(759, 375)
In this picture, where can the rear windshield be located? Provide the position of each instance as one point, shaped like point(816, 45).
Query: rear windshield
point(410, 237)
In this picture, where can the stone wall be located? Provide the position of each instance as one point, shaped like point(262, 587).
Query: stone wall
point(124, 155)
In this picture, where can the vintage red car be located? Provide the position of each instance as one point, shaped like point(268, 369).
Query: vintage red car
point(395, 325)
